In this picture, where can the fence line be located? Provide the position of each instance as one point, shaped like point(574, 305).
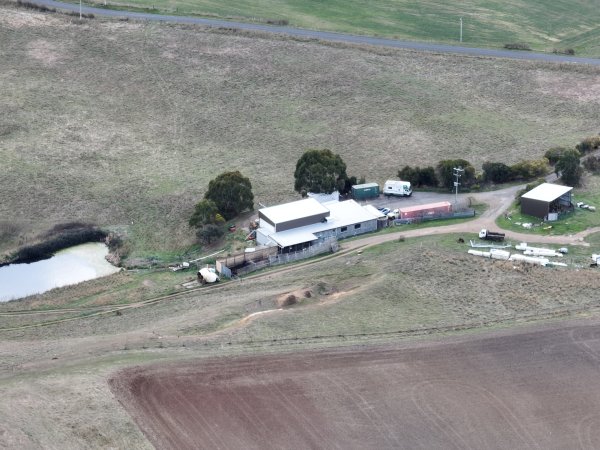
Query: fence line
point(327, 245)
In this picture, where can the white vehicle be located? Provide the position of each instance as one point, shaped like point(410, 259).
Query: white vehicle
point(395, 214)
point(207, 275)
point(399, 188)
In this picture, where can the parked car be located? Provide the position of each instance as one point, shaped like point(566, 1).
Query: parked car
point(385, 211)
point(394, 214)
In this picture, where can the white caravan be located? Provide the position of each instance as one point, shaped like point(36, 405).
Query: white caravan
point(399, 188)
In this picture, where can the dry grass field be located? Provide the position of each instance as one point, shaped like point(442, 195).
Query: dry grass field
point(123, 124)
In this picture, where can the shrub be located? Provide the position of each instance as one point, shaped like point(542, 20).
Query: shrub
point(419, 177)
point(517, 46)
point(530, 169)
point(564, 51)
point(496, 172)
point(445, 172)
point(588, 144)
point(30, 5)
point(209, 233)
point(592, 163)
point(65, 239)
point(554, 154)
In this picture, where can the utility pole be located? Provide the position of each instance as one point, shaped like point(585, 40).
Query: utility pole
point(457, 171)
point(461, 29)
point(79, 9)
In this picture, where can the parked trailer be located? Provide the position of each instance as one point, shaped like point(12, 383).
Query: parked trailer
point(398, 188)
point(491, 235)
point(365, 191)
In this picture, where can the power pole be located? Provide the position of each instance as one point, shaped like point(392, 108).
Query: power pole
point(461, 29)
point(457, 171)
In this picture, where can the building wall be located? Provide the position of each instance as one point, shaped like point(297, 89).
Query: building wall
point(536, 208)
point(296, 223)
point(350, 230)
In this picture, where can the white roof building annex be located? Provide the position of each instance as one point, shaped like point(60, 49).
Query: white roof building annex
point(547, 192)
point(293, 211)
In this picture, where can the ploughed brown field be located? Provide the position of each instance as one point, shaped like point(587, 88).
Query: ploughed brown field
point(523, 389)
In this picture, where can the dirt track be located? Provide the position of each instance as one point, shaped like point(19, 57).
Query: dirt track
point(534, 389)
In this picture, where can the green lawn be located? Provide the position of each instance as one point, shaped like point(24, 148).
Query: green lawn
point(543, 25)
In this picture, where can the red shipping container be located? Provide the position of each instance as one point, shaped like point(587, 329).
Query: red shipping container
point(430, 209)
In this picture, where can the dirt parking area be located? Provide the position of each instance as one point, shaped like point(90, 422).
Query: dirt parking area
point(535, 388)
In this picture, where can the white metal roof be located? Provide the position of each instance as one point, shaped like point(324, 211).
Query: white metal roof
point(293, 210)
point(292, 237)
point(547, 192)
point(342, 214)
point(372, 210)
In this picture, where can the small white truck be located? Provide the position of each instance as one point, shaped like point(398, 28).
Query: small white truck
point(399, 188)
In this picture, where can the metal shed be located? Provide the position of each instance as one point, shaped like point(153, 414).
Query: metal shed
point(545, 199)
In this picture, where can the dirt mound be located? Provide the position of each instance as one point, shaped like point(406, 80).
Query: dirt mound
point(291, 298)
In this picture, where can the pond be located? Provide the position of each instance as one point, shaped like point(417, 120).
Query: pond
point(70, 266)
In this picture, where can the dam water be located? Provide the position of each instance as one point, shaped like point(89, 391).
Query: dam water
point(70, 266)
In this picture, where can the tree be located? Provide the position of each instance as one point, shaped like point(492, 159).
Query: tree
point(446, 172)
point(569, 169)
point(320, 171)
point(418, 177)
point(528, 170)
point(231, 192)
point(205, 213)
point(496, 172)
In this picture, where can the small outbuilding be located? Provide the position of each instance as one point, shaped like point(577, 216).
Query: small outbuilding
point(546, 199)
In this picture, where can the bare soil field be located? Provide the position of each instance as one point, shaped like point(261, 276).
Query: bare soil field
point(536, 389)
point(123, 124)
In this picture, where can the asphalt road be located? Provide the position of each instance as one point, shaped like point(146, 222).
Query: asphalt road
point(324, 35)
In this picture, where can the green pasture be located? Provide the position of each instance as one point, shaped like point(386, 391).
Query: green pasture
point(543, 25)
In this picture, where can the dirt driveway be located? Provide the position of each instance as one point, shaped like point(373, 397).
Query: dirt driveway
point(498, 202)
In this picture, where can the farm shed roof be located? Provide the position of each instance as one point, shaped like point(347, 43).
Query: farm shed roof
point(287, 212)
point(426, 206)
point(547, 192)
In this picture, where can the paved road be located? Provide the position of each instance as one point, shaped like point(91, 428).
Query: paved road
point(325, 35)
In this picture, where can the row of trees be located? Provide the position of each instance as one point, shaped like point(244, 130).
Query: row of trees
point(493, 172)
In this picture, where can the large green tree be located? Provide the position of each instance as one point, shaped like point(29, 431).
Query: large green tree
point(569, 169)
point(320, 171)
point(231, 192)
